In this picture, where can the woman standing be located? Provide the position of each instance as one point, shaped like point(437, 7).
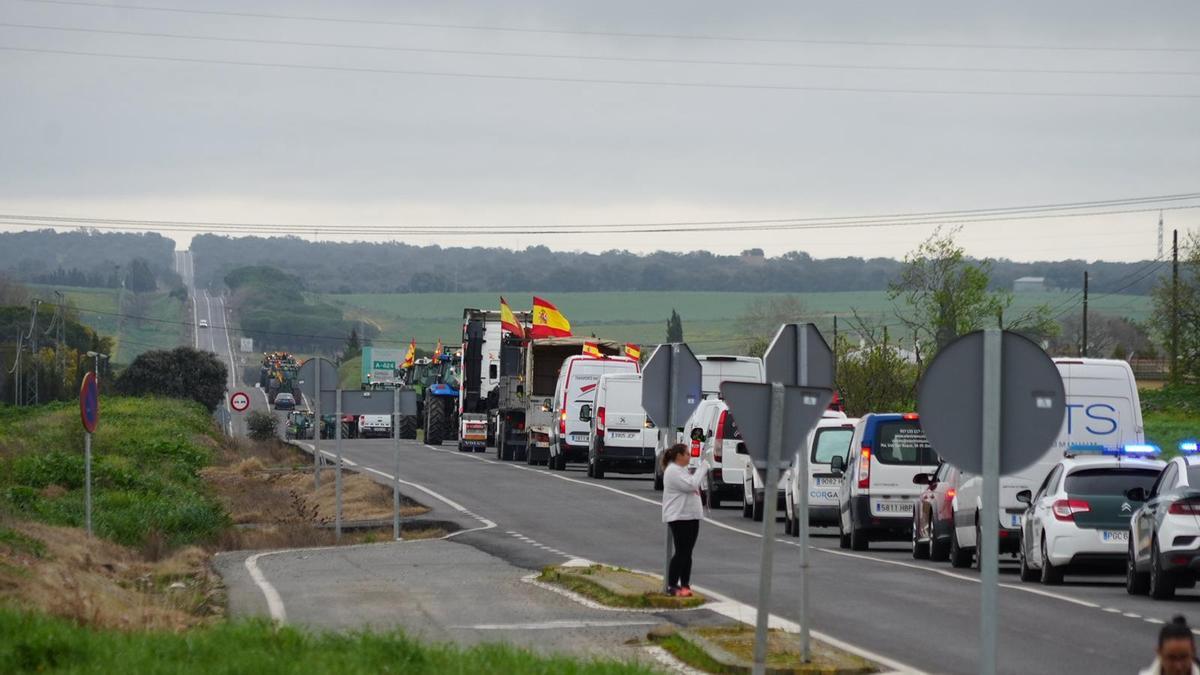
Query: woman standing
point(681, 511)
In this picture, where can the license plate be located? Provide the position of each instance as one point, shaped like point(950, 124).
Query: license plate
point(829, 481)
point(623, 435)
point(892, 508)
point(1014, 520)
point(1115, 536)
point(579, 438)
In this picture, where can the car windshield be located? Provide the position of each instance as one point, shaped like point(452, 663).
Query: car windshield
point(1193, 474)
point(830, 443)
point(730, 431)
point(1109, 481)
point(903, 442)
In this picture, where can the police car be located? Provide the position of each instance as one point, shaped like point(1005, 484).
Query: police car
point(1079, 517)
point(1164, 542)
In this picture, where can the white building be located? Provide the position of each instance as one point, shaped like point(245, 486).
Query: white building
point(1029, 285)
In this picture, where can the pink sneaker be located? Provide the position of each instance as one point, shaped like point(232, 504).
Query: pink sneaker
point(685, 592)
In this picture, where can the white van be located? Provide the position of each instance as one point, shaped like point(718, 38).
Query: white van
point(831, 438)
point(621, 437)
point(715, 369)
point(754, 482)
point(877, 492)
point(374, 426)
point(577, 382)
point(1103, 409)
point(713, 437)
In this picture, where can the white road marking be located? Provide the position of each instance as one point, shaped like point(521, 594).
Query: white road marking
point(551, 625)
point(274, 602)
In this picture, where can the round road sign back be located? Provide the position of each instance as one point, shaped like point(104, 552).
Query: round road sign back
point(89, 402)
point(1032, 402)
point(239, 401)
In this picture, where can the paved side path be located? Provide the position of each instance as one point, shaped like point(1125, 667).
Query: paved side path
point(439, 590)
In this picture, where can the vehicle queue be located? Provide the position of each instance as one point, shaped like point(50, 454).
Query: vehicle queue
point(1100, 499)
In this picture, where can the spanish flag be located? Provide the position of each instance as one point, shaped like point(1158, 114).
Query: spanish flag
point(633, 351)
point(548, 321)
point(410, 357)
point(592, 349)
point(508, 320)
point(437, 352)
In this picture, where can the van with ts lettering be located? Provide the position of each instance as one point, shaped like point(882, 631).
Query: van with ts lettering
point(574, 400)
point(1103, 411)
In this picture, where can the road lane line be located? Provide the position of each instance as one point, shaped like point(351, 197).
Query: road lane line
point(274, 602)
point(559, 624)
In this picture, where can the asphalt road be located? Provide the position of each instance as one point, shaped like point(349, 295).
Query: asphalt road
point(919, 613)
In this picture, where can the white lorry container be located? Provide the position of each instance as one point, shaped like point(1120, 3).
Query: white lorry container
point(1103, 409)
point(622, 438)
point(576, 388)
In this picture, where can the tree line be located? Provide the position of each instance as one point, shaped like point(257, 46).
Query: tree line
point(89, 258)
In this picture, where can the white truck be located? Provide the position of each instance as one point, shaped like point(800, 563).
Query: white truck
point(487, 355)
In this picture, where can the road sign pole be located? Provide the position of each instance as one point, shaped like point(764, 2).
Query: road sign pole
point(337, 477)
point(989, 534)
point(395, 477)
point(802, 508)
point(667, 443)
point(770, 497)
point(87, 481)
point(317, 425)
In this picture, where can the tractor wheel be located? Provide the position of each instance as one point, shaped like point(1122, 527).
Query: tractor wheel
point(435, 422)
point(408, 426)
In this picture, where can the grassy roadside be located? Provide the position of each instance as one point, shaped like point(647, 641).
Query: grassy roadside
point(1171, 415)
point(37, 643)
point(614, 587)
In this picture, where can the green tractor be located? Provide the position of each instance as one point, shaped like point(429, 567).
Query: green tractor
point(436, 383)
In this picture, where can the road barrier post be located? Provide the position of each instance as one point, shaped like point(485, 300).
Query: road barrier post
point(87, 480)
point(337, 478)
point(317, 423)
point(986, 548)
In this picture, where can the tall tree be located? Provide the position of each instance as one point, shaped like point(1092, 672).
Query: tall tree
point(947, 296)
point(353, 346)
point(674, 327)
point(1184, 315)
point(141, 277)
point(182, 372)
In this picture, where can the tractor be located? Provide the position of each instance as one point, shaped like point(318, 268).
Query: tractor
point(436, 383)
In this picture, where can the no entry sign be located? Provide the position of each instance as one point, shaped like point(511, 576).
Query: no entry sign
point(239, 401)
point(89, 403)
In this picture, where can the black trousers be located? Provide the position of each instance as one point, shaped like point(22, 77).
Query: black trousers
point(684, 533)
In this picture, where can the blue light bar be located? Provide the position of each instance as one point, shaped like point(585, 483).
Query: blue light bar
point(1188, 447)
point(1131, 450)
point(1141, 449)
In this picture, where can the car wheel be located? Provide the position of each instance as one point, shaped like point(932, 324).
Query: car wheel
point(977, 561)
point(858, 538)
point(529, 455)
point(1051, 575)
point(920, 551)
point(1027, 573)
point(843, 538)
point(747, 504)
point(591, 467)
point(939, 551)
point(658, 481)
point(1136, 583)
point(959, 556)
point(759, 508)
point(597, 470)
point(714, 501)
point(1162, 582)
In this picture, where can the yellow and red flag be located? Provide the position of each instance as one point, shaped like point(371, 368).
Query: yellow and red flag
point(633, 351)
point(548, 321)
point(437, 352)
point(592, 349)
point(410, 357)
point(508, 320)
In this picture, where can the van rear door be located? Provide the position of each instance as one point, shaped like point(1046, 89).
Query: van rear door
point(583, 375)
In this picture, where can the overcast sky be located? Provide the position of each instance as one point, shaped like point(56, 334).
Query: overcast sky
point(118, 138)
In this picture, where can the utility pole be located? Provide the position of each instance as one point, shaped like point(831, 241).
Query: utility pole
point(31, 386)
point(1174, 307)
point(1160, 235)
point(17, 370)
point(1083, 350)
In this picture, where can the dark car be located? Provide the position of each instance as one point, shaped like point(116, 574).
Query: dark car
point(933, 517)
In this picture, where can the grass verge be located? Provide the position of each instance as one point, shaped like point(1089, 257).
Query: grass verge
point(615, 587)
point(730, 649)
point(37, 643)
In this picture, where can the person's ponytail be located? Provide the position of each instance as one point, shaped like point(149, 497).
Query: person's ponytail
point(669, 455)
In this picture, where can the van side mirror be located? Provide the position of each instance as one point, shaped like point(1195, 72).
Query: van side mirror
point(546, 406)
point(585, 413)
point(1137, 494)
point(923, 479)
point(697, 434)
point(1025, 496)
point(520, 390)
point(837, 465)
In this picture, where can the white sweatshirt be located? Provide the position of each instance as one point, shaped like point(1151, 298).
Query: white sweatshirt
point(681, 493)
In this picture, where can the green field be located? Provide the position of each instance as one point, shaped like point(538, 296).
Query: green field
point(711, 320)
point(160, 329)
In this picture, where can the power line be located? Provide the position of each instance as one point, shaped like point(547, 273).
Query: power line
point(621, 34)
point(608, 81)
point(603, 58)
point(868, 218)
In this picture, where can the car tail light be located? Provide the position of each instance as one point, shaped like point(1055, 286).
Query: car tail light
point(1066, 509)
point(911, 416)
point(719, 438)
point(562, 421)
point(695, 448)
point(950, 495)
point(1186, 507)
point(864, 468)
point(600, 418)
point(521, 425)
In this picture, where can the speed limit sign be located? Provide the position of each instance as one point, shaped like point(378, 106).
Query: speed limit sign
point(239, 401)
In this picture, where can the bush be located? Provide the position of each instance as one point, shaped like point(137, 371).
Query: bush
point(262, 425)
point(182, 372)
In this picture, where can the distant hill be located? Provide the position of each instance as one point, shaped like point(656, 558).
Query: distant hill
point(394, 267)
point(88, 258)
